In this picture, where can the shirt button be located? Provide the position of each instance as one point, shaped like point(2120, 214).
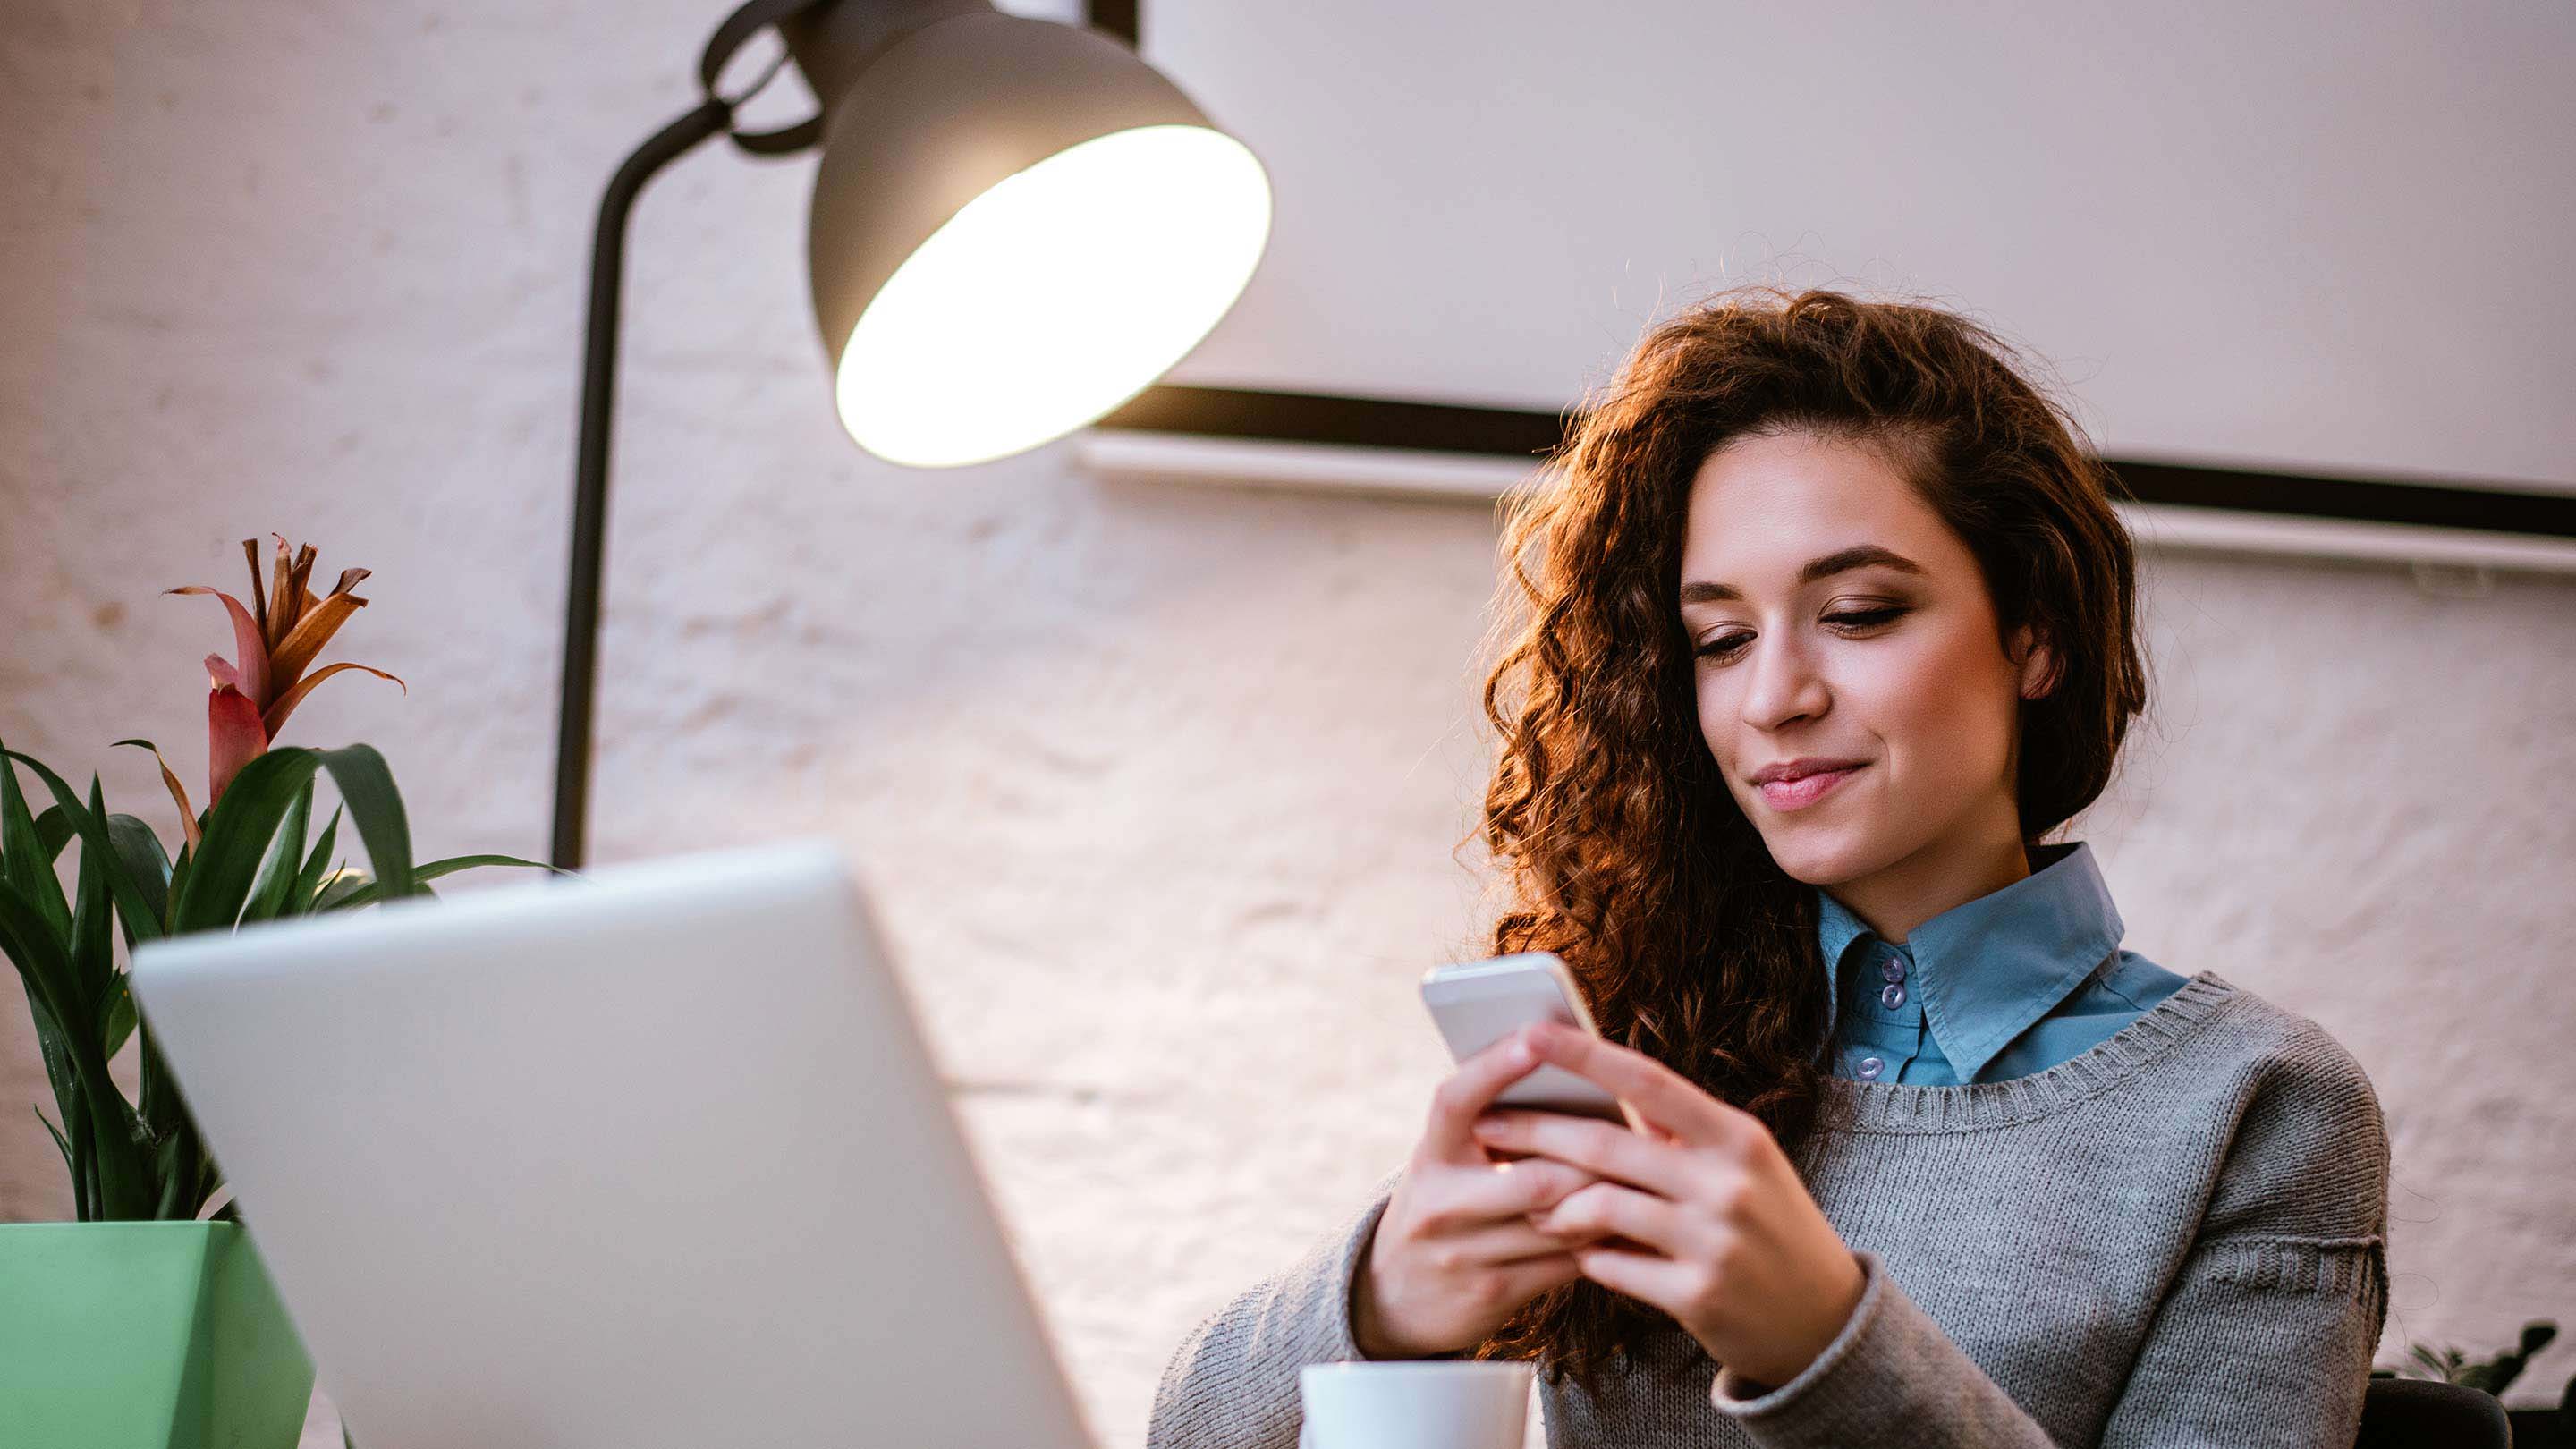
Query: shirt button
point(1893, 997)
point(1870, 1067)
point(1893, 968)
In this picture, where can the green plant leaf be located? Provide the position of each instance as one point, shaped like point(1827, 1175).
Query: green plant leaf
point(82, 1128)
point(179, 1151)
point(452, 864)
point(50, 1047)
point(220, 878)
point(54, 960)
point(93, 934)
point(367, 787)
point(165, 1171)
point(131, 903)
point(181, 1166)
point(44, 962)
point(237, 834)
point(139, 850)
point(180, 870)
point(285, 860)
point(23, 861)
point(179, 1163)
point(336, 892)
point(111, 1000)
point(53, 831)
point(64, 1079)
point(161, 1108)
point(309, 880)
point(116, 1017)
point(124, 1171)
point(60, 1144)
point(76, 1126)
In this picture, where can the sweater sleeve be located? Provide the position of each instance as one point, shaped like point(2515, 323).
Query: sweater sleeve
point(2262, 1341)
point(2265, 1338)
point(1232, 1384)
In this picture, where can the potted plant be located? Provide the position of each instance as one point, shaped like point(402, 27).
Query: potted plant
point(2532, 1428)
point(149, 1322)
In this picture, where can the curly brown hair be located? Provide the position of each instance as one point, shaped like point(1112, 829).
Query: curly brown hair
point(1616, 841)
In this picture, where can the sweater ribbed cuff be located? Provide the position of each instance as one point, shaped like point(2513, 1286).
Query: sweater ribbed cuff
point(1340, 1344)
point(1891, 1365)
point(1746, 1400)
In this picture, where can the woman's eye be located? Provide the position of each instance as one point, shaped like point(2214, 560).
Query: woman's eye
point(1864, 618)
point(1725, 645)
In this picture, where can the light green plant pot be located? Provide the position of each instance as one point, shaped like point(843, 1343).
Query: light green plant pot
point(145, 1335)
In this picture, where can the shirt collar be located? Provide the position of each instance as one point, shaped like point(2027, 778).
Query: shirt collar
point(1985, 970)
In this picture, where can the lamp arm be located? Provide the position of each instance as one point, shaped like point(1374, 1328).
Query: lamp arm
point(590, 469)
point(713, 117)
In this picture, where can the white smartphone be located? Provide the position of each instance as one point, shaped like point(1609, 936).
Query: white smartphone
point(1478, 1003)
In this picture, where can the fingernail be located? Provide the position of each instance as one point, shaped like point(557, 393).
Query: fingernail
point(1523, 1053)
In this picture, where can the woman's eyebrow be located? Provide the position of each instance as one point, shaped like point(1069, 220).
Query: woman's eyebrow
point(1859, 555)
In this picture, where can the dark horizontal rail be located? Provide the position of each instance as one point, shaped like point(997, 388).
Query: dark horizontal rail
point(1454, 428)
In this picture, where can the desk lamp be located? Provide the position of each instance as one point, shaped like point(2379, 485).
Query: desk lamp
point(1017, 225)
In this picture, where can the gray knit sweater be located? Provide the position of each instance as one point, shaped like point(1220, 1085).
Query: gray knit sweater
point(2175, 1238)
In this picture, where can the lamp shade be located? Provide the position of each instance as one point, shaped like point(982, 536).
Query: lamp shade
point(1017, 226)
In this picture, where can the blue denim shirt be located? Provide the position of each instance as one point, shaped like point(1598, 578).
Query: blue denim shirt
point(2006, 985)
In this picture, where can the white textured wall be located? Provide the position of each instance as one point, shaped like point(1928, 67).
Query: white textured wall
point(1158, 788)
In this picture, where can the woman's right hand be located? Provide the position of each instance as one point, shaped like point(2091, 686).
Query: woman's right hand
point(1455, 1253)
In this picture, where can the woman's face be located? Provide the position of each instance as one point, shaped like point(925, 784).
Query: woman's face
point(1833, 615)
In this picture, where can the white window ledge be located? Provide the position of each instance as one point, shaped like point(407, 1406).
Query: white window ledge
point(2445, 560)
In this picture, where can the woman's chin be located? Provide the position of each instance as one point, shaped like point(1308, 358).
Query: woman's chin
point(1821, 852)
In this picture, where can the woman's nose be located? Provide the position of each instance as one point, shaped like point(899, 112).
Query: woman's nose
point(1781, 685)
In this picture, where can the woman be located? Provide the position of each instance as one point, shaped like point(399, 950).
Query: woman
point(1829, 622)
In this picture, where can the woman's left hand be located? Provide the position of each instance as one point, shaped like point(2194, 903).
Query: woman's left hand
point(1736, 1250)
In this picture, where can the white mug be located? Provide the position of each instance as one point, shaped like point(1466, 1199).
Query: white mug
point(1414, 1404)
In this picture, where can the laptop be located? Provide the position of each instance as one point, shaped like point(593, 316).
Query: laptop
point(653, 1156)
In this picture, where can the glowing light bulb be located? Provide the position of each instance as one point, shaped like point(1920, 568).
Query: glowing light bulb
point(1055, 296)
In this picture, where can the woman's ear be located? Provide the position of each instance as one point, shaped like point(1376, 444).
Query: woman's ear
point(2038, 664)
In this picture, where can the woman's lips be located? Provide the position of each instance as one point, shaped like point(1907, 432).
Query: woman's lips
point(1806, 790)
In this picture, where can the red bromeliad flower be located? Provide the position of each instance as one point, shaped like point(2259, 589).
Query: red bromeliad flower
point(277, 638)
